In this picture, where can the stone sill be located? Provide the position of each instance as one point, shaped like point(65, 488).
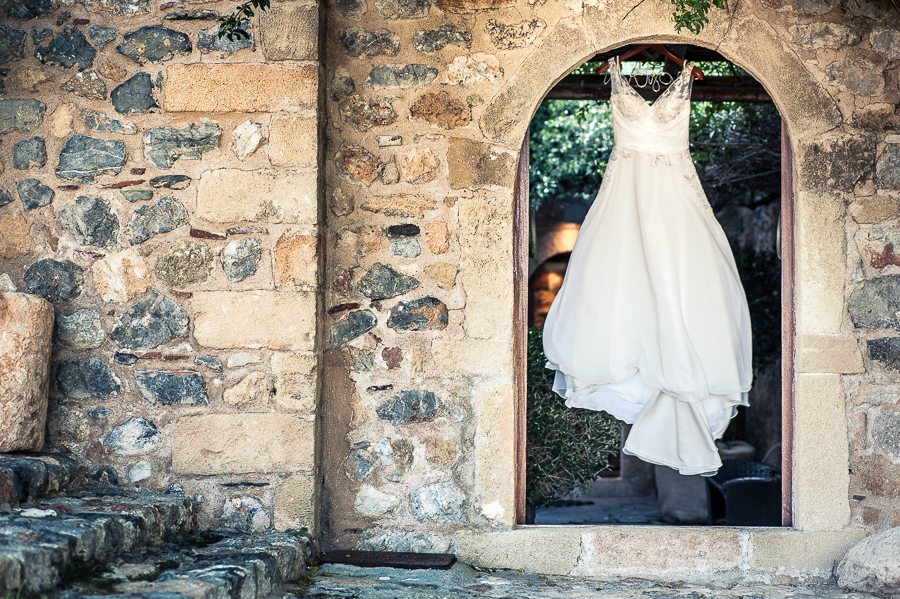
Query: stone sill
point(722, 555)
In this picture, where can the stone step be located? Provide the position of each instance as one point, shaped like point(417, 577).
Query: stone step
point(24, 477)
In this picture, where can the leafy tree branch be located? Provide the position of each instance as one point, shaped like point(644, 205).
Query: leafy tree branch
point(232, 26)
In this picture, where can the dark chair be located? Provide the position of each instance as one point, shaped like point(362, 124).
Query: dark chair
point(745, 493)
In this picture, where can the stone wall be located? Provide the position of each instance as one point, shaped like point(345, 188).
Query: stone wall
point(160, 187)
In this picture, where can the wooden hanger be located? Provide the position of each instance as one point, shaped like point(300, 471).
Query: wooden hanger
point(659, 48)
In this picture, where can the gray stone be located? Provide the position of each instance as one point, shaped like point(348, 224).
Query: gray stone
point(21, 115)
point(359, 42)
point(410, 406)
point(814, 8)
point(241, 257)
point(887, 169)
point(404, 230)
point(209, 41)
point(37, 36)
point(164, 145)
point(433, 40)
point(154, 44)
point(885, 350)
point(30, 153)
point(86, 84)
point(68, 49)
point(137, 195)
point(101, 36)
point(134, 437)
point(350, 9)
point(886, 432)
point(162, 216)
point(91, 221)
point(361, 359)
point(119, 7)
point(159, 387)
point(87, 379)
point(12, 44)
point(396, 457)
point(359, 462)
point(81, 329)
point(424, 314)
point(838, 163)
point(84, 158)
point(824, 35)
point(342, 87)
point(364, 114)
point(140, 471)
point(442, 502)
point(357, 323)
point(103, 123)
point(246, 514)
point(383, 540)
point(34, 194)
point(372, 503)
point(886, 42)
point(199, 14)
point(211, 362)
point(399, 76)
point(383, 282)
point(876, 304)
point(151, 322)
point(858, 75)
point(135, 96)
point(54, 280)
point(872, 565)
point(242, 359)
point(25, 10)
point(403, 9)
point(406, 248)
point(125, 358)
point(171, 181)
point(187, 262)
point(5, 197)
point(100, 414)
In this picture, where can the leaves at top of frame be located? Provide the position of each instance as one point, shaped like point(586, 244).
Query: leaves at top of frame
point(692, 14)
point(232, 26)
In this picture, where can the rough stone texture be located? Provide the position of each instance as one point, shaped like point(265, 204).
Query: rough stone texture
point(121, 277)
point(357, 165)
point(15, 236)
point(402, 205)
point(27, 325)
point(474, 69)
point(209, 88)
point(229, 444)
point(886, 350)
point(514, 35)
point(241, 257)
point(420, 166)
point(390, 174)
point(350, 9)
point(876, 117)
point(290, 34)
point(425, 314)
point(54, 280)
point(228, 196)
point(887, 169)
point(5, 198)
point(119, 7)
point(403, 9)
point(401, 231)
point(295, 256)
point(154, 44)
point(209, 41)
point(101, 36)
point(876, 304)
point(475, 165)
point(34, 194)
point(406, 248)
point(91, 221)
point(872, 565)
point(21, 115)
point(30, 153)
point(433, 40)
point(87, 379)
point(86, 84)
point(393, 357)
point(246, 513)
point(246, 139)
point(410, 407)
point(438, 237)
point(159, 387)
point(164, 145)
point(81, 329)
point(877, 245)
point(442, 110)
point(293, 141)
point(162, 216)
point(886, 431)
point(444, 274)
point(816, 7)
point(171, 181)
point(134, 437)
point(824, 35)
point(355, 324)
point(857, 75)
point(252, 389)
point(295, 381)
point(365, 114)
point(886, 42)
point(361, 43)
point(137, 95)
point(211, 362)
point(342, 86)
point(29, 79)
point(187, 262)
point(442, 502)
point(68, 49)
point(396, 457)
point(441, 452)
point(372, 503)
point(383, 282)
point(103, 123)
point(12, 44)
point(84, 158)
point(398, 76)
point(61, 120)
point(151, 322)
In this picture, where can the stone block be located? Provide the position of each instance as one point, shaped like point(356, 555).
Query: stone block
point(295, 503)
point(256, 319)
point(290, 34)
point(475, 165)
point(296, 260)
point(838, 354)
point(121, 277)
point(253, 388)
point(15, 236)
point(232, 196)
point(785, 552)
point(211, 88)
point(821, 262)
point(243, 443)
point(295, 381)
point(463, 357)
point(493, 404)
point(539, 549)
point(872, 565)
point(874, 209)
point(293, 141)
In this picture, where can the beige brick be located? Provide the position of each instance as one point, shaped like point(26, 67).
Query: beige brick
point(838, 354)
point(291, 34)
point(295, 503)
point(295, 381)
point(293, 141)
point(821, 262)
point(782, 551)
point(295, 260)
point(537, 549)
point(240, 88)
point(15, 236)
point(470, 356)
point(255, 319)
point(494, 452)
point(243, 443)
point(231, 196)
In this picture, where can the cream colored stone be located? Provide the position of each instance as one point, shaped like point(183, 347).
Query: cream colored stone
point(295, 503)
point(401, 204)
point(821, 454)
point(461, 357)
point(296, 260)
point(61, 120)
point(494, 448)
point(295, 381)
point(29, 79)
point(372, 503)
point(26, 327)
point(246, 139)
point(290, 34)
point(821, 262)
point(838, 354)
point(15, 236)
point(420, 166)
point(255, 319)
point(474, 69)
point(231, 196)
point(252, 389)
point(121, 277)
point(112, 72)
point(438, 236)
point(211, 88)
point(537, 549)
point(785, 553)
point(293, 141)
point(243, 443)
point(874, 209)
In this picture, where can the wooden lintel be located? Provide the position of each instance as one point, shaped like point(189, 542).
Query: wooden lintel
point(714, 89)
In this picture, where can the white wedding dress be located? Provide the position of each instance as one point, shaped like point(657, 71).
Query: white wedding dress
point(651, 323)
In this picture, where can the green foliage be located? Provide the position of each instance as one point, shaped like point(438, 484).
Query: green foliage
point(232, 26)
point(567, 448)
point(691, 14)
